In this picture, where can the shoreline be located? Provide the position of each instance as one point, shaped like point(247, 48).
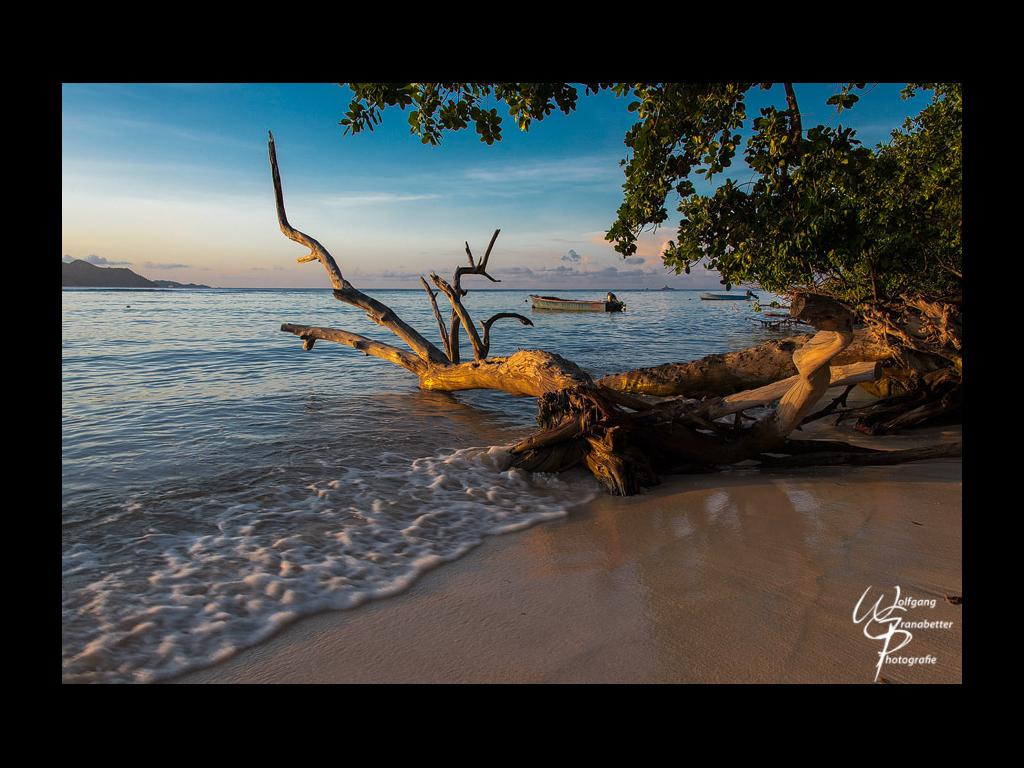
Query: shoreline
point(742, 576)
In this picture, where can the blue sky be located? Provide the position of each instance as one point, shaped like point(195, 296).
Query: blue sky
point(173, 181)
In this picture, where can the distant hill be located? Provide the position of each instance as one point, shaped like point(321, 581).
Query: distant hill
point(82, 274)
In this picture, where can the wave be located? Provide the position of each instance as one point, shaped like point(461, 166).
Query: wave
point(209, 574)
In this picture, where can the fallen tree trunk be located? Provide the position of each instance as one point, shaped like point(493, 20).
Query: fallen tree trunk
point(623, 440)
point(724, 374)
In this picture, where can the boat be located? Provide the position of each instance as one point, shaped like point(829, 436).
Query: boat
point(609, 304)
point(727, 296)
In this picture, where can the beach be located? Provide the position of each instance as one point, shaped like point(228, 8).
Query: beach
point(293, 450)
point(738, 577)
point(320, 518)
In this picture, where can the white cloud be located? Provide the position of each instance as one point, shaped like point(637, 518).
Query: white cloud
point(164, 265)
point(588, 168)
point(99, 261)
point(116, 125)
point(372, 198)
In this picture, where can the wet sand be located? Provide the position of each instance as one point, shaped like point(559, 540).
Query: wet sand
point(736, 577)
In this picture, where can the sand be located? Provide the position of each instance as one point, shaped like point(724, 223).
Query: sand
point(737, 577)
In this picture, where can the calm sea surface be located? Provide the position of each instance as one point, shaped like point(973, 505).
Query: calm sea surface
point(219, 481)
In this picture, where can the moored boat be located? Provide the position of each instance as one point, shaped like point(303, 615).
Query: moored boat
point(727, 296)
point(610, 304)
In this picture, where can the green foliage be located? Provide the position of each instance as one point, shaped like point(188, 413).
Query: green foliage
point(820, 209)
point(916, 199)
point(438, 107)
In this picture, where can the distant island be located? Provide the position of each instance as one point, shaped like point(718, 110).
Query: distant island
point(82, 274)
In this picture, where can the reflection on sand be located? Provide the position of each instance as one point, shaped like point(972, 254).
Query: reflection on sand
point(707, 569)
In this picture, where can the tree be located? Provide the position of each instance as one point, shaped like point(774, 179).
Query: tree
point(878, 229)
point(623, 440)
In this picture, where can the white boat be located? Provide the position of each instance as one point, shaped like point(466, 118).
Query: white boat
point(610, 304)
point(727, 296)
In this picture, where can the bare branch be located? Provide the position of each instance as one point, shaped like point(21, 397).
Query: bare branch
point(343, 290)
point(568, 430)
point(437, 316)
point(448, 290)
point(487, 255)
point(471, 271)
point(317, 251)
point(626, 401)
point(455, 292)
point(453, 333)
point(480, 268)
point(487, 327)
point(839, 402)
point(309, 334)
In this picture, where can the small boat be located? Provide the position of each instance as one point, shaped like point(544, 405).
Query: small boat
point(727, 296)
point(610, 304)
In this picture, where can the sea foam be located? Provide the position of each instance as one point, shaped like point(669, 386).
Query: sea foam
point(170, 598)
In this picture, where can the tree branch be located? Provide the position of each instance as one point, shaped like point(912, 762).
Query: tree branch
point(316, 250)
point(456, 319)
point(796, 129)
point(487, 327)
point(453, 333)
point(437, 316)
point(309, 334)
point(343, 290)
point(456, 301)
point(479, 268)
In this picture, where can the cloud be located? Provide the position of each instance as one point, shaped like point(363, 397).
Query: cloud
point(99, 261)
point(389, 274)
point(572, 256)
point(115, 125)
point(590, 168)
point(650, 244)
point(372, 198)
point(67, 259)
point(634, 259)
point(164, 265)
point(514, 271)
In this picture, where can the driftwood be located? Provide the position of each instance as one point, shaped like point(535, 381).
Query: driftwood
point(926, 335)
point(624, 440)
point(732, 372)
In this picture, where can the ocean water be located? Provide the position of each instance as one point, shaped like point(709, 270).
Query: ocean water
point(219, 482)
